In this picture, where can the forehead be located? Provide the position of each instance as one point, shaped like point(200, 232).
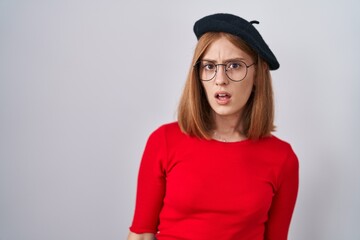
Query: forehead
point(223, 49)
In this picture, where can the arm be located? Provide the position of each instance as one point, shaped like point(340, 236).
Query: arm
point(150, 188)
point(143, 236)
point(283, 203)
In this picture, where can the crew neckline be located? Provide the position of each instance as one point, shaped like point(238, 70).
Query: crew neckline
point(230, 143)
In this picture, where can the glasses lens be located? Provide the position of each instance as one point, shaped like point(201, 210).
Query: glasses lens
point(207, 70)
point(236, 71)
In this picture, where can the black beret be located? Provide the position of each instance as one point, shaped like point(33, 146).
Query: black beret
point(223, 22)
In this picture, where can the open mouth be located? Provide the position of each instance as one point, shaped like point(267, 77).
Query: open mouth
point(222, 96)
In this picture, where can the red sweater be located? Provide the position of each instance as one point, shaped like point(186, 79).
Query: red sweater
point(196, 189)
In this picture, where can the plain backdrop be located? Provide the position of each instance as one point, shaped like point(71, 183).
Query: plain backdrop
point(83, 84)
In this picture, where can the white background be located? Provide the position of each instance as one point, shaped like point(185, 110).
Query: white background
point(83, 83)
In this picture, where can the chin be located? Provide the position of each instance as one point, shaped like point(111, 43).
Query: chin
point(226, 111)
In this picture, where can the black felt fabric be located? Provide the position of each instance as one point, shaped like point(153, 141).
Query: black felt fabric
point(223, 22)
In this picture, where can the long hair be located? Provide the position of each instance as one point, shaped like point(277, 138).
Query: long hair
point(194, 112)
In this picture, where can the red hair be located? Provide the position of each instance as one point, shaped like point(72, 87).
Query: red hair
point(195, 113)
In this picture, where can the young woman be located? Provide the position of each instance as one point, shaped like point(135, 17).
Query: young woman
point(218, 172)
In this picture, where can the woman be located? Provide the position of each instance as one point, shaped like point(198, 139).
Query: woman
point(218, 173)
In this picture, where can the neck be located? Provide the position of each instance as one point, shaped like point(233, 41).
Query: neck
point(227, 128)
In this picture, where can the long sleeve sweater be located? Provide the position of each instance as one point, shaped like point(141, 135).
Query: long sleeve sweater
point(197, 189)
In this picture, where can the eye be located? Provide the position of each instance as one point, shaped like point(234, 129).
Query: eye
point(234, 65)
point(209, 66)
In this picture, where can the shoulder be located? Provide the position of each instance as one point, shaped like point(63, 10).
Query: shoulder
point(275, 145)
point(159, 139)
point(172, 127)
point(275, 141)
point(284, 148)
point(168, 132)
point(279, 151)
point(168, 129)
point(165, 140)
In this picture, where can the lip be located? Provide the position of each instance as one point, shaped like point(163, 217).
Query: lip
point(222, 97)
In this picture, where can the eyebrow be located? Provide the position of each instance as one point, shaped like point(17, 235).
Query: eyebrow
point(226, 61)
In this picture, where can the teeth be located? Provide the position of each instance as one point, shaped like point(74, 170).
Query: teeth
point(222, 95)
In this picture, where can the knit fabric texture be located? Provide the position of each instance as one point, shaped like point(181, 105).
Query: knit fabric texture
point(197, 189)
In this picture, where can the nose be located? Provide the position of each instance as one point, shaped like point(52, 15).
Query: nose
point(221, 78)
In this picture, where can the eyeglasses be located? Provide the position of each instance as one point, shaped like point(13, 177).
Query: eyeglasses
point(236, 70)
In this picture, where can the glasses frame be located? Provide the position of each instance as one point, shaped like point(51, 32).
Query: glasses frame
point(197, 64)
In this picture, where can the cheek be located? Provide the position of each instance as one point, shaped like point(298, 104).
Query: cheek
point(247, 91)
point(243, 93)
point(248, 86)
